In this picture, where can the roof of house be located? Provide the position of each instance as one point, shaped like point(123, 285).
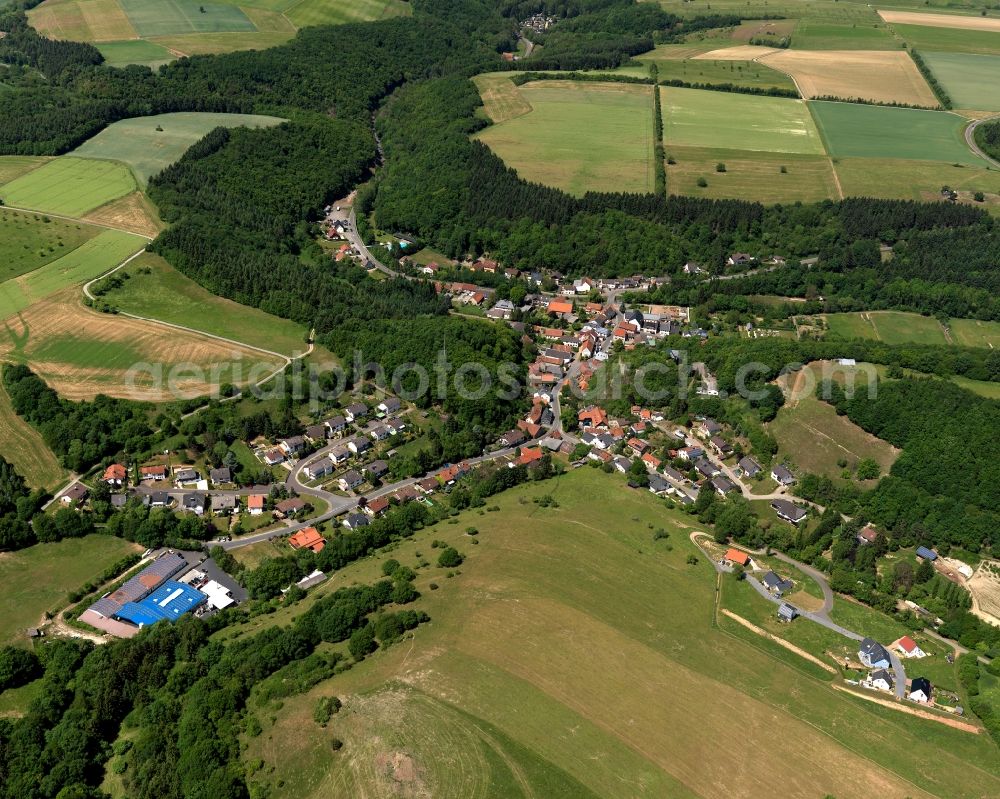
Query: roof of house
point(736, 556)
point(873, 650)
point(869, 534)
point(255, 502)
point(787, 611)
point(782, 474)
point(920, 684)
point(881, 674)
point(356, 520)
point(907, 644)
point(153, 469)
point(289, 505)
point(772, 580)
point(221, 475)
point(530, 455)
point(75, 492)
point(351, 477)
point(307, 538)
point(748, 465)
point(559, 306)
point(378, 504)
point(789, 509)
point(115, 472)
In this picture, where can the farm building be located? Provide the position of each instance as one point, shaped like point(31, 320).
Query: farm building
point(926, 554)
point(170, 601)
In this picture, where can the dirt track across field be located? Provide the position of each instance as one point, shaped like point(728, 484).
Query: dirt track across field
point(964, 726)
point(780, 641)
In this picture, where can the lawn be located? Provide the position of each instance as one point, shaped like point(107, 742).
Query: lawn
point(951, 40)
point(150, 144)
point(737, 122)
point(892, 327)
point(28, 241)
point(972, 81)
point(751, 175)
point(23, 446)
point(69, 186)
point(37, 579)
point(134, 51)
point(334, 12)
point(157, 291)
point(580, 136)
point(812, 436)
point(170, 17)
point(903, 179)
point(91, 259)
point(542, 674)
point(873, 131)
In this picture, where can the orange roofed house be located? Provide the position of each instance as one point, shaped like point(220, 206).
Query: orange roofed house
point(308, 538)
point(734, 556)
point(529, 456)
point(559, 307)
point(115, 475)
point(255, 504)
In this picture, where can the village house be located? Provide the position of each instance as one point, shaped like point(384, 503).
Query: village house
point(658, 485)
point(293, 445)
point(873, 655)
point(355, 520)
point(194, 503)
point(690, 453)
point(782, 475)
point(289, 507)
point(559, 307)
point(722, 485)
point(221, 476)
point(115, 475)
point(748, 466)
point(789, 511)
point(273, 457)
point(787, 612)
point(339, 455)
point(880, 680)
point(739, 259)
point(637, 445)
point(154, 472)
point(74, 495)
point(395, 426)
point(776, 584)
point(530, 456)
point(336, 425)
point(709, 428)
point(907, 647)
point(379, 432)
point(707, 468)
point(316, 433)
point(672, 474)
point(376, 469)
point(920, 690)
point(255, 504)
point(349, 480)
point(376, 507)
point(185, 475)
point(307, 538)
point(868, 535)
point(355, 411)
point(512, 438)
point(224, 505)
point(318, 468)
point(160, 499)
point(651, 461)
point(389, 406)
point(736, 557)
point(359, 445)
point(593, 416)
point(721, 446)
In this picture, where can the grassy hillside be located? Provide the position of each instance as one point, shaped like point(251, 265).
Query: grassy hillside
point(573, 655)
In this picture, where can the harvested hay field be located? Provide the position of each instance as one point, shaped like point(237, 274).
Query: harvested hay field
point(742, 52)
point(502, 100)
point(881, 76)
point(69, 186)
point(82, 353)
point(941, 20)
point(985, 589)
point(772, 29)
point(82, 20)
point(134, 212)
point(13, 166)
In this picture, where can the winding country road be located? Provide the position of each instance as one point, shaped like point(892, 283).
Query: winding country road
point(970, 139)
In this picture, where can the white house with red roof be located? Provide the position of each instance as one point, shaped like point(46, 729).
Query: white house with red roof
point(908, 648)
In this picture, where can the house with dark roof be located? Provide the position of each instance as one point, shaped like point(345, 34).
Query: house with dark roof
point(920, 690)
point(776, 584)
point(376, 469)
point(722, 485)
point(220, 476)
point(355, 520)
point(354, 411)
point(748, 466)
point(293, 445)
point(349, 480)
point(658, 485)
point(789, 511)
point(926, 554)
point(290, 507)
point(512, 438)
point(194, 503)
point(707, 468)
point(782, 475)
point(720, 445)
point(74, 495)
point(873, 654)
point(335, 424)
point(787, 612)
point(880, 680)
point(390, 405)
point(316, 432)
point(868, 535)
point(318, 468)
point(359, 445)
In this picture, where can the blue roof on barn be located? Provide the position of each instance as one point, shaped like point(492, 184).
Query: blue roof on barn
point(924, 552)
point(170, 601)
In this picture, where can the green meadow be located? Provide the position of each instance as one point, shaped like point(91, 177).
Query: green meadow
point(150, 144)
point(30, 240)
point(37, 579)
point(951, 40)
point(158, 291)
point(329, 12)
point(69, 186)
point(871, 131)
point(972, 81)
point(580, 136)
point(892, 327)
point(489, 698)
point(824, 35)
point(169, 17)
point(739, 122)
point(91, 259)
point(136, 51)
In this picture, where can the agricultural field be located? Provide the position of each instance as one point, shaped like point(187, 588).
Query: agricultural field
point(952, 40)
point(878, 76)
point(134, 212)
point(820, 34)
point(69, 186)
point(154, 32)
point(580, 136)
point(871, 131)
point(740, 122)
point(150, 144)
point(91, 259)
point(985, 589)
point(329, 12)
point(953, 21)
point(974, 333)
point(904, 179)
point(489, 698)
point(502, 100)
point(751, 175)
point(81, 353)
point(158, 291)
point(811, 434)
point(37, 579)
point(708, 69)
point(13, 166)
point(23, 446)
point(892, 327)
point(972, 81)
point(29, 241)
point(135, 51)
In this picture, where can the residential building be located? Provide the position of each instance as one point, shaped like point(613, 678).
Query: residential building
point(355, 411)
point(349, 480)
point(74, 495)
point(389, 405)
point(307, 538)
point(723, 485)
point(376, 469)
point(255, 504)
point(920, 690)
point(748, 466)
point(293, 445)
point(290, 507)
point(736, 557)
point(221, 476)
point(782, 475)
point(789, 511)
point(194, 503)
point(355, 520)
point(115, 475)
point(880, 680)
point(908, 648)
point(154, 472)
point(776, 584)
point(873, 655)
point(787, 612)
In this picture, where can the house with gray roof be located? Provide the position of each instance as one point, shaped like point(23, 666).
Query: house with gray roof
point(873, 654)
